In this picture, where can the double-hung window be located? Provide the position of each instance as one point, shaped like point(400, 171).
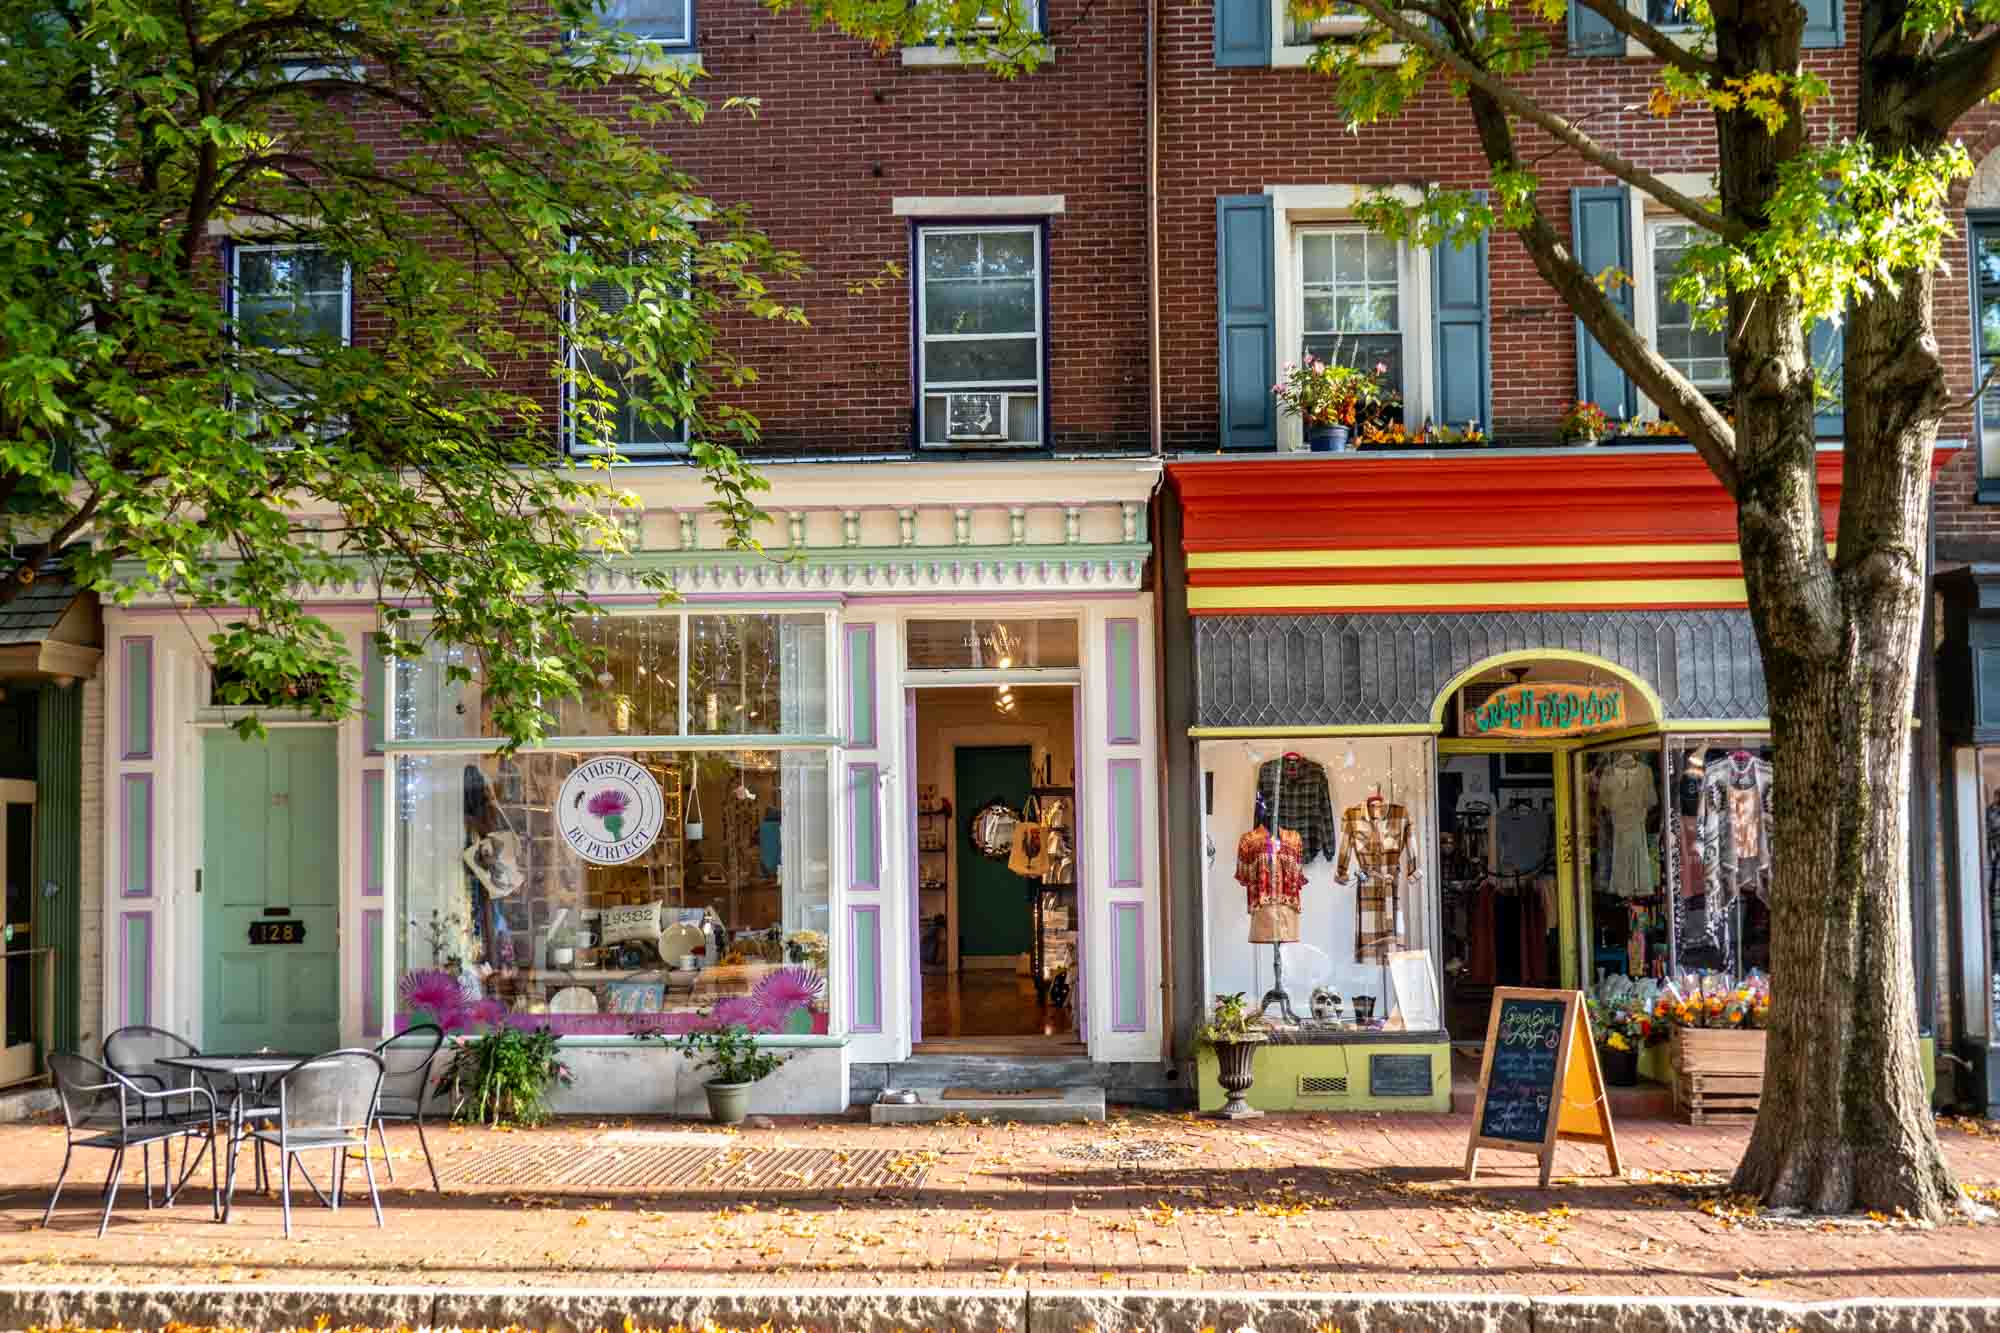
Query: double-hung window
point(980, 350)
point(667, 23)
point(1986, 344)
point(1700, 354)
point(288, 299)
point(1355, 309)
point(615, 421)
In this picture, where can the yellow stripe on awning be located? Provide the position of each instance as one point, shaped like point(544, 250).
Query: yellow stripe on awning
point(1394, 596)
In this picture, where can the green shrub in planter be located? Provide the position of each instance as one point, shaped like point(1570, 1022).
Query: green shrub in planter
point(737, 1062)
point(503, 1075)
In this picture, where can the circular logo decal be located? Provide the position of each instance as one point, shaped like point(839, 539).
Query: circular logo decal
point(610, 810)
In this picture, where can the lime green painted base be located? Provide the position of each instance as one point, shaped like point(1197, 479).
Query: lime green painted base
point(1279, 1068)
point(1927, 1056)
point(1656, 1062)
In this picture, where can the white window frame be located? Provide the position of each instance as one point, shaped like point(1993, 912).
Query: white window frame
point(925, 389)
point(1643, 213)
point(1650, 222)
point(629, 451)
point(1285, 54)
point(934, 54)
point(684, 43)
point(1307, 230)
point(1297, 208)
point(237, 250)
point(1687, 36)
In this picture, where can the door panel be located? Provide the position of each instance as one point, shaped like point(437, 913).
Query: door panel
point(993, 914)
point(22, 969)
point(272, 855)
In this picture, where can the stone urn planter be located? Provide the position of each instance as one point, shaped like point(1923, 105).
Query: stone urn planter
point(1233, 1061)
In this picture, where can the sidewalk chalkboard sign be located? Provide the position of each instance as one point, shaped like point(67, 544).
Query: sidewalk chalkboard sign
point(1539, 1081)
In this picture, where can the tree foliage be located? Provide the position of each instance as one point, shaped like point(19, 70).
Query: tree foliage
point(503, 242)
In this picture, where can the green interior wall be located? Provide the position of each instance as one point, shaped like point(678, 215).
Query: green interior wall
point(992, 900)
point(1279, 1067)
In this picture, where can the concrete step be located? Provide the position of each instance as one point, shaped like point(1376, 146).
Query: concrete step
point(25, 1103)
point(998, 1073)
point(1069, 1106)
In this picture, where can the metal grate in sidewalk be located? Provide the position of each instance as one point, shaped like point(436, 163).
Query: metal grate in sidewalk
point(735, 1170)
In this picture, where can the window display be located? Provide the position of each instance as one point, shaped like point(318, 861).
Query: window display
point(1720, 849)
point(1989, 797)
point(1622, 864)
point(601, 888)
point(1325, 901)
point(1497, 851)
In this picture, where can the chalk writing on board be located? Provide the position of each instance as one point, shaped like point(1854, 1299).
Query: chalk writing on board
point(1521, 1082)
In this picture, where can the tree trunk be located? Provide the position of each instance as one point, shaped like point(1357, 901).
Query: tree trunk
point(1845, 1122)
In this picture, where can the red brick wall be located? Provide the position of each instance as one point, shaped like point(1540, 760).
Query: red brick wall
point(842, 130)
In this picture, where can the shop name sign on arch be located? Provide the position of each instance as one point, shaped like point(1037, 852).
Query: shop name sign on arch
point(1546, 708)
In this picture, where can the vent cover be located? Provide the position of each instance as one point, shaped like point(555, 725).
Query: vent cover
point(1322, 1085)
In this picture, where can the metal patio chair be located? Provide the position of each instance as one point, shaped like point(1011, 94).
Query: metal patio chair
point(325, 1104)
point(104, 1109)
point(406, 1088)
point(135, 1053)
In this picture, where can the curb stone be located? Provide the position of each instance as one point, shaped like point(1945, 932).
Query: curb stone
point(968, 1310)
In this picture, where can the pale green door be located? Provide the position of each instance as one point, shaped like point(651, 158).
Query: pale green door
point(271, 892)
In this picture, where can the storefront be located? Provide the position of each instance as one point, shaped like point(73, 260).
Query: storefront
point(1506, 712)
point(735, 824)
point(1968, 693)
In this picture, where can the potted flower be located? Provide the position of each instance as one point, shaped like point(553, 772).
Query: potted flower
point(1331, 399)
point(1621, 1033)
point(1234, 1034)
point(737, 1062)
point(1584, 423)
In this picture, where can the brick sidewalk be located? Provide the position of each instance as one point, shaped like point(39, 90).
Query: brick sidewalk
point(1288, 1203)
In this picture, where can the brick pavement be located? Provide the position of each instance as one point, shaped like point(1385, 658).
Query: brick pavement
point(1288, 1203)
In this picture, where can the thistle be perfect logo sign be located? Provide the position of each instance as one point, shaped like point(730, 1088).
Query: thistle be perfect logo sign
point(610, 810)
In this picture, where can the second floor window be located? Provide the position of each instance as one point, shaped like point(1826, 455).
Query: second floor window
point(1354, 307)
point(627, 431)
point(1698, 353)
point(288, 299)
point(980, 346)
point(667, 22)
point(1986, 345)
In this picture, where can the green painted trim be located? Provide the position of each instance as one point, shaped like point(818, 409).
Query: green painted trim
point(493, 744)
point(1573, 923)
point(1122, 672)
point(1278, 1067)
point(58, 920)
point(859, 650)
point(137, 956)
point(1128, 967)
point(1126, 849)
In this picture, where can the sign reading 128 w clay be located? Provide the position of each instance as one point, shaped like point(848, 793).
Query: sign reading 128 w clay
point(1546, 708)
point(610, 810)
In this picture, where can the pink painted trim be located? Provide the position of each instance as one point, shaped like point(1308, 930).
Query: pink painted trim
point(1112, 684)
point(854, 915)
point(972, 598)
point(1117, 973)
point(145, 1012)
point(371, 833)
point(129, 744)
point(144, 877)
point(1085, 857)
point(1123, 876)
point(860, 676)
point(371, 972)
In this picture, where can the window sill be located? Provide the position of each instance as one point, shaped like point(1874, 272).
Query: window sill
point(950, 57)
point(645, 61)
point(1687, 39)
point(1284, 55)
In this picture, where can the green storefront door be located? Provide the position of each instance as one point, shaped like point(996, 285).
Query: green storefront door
point(271, 892)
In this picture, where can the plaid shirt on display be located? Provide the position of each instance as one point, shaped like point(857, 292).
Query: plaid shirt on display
point(1292, 796)
point(1380, 851)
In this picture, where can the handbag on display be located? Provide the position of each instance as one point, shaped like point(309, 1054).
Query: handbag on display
point(1030, 857)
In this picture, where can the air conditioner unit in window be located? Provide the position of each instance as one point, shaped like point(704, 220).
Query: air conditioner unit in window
point(975, 416)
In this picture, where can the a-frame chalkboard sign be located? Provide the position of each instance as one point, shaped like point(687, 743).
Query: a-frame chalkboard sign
point(1539, 1081)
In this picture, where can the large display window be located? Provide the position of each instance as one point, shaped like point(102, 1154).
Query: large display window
point(604, 885)
point(1720, 853)
point(1621, 862)
point(1321, 880)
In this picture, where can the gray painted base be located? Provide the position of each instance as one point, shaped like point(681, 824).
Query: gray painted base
point(1073, 1106)
point(1151, 1085)
point(999, 1311)
point(17, 1104)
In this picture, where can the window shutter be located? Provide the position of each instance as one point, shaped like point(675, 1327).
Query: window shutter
point(1243, 32)
point(1247, 301)
point(1591, 34)
point(1826, 22)
point(1600, 228)
point(1461, 334)
point(1827, 345)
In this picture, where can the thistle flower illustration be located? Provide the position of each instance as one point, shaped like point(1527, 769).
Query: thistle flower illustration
point(609, 806)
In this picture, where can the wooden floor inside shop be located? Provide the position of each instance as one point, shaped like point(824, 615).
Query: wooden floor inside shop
point(996, 1006)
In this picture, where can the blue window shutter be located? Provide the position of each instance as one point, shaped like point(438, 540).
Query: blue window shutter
point(1246, 299)
point(1591, 34)
point(1461, 334)
point(1827, 345)
point(1600, 228)
point(1243, 32)
point(1826, 23)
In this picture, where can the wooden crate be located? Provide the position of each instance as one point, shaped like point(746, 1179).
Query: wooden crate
point(1718, 1073)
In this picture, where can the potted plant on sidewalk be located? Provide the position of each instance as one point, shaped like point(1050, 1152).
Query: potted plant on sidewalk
point(1331, 400)
point(1234, 1034)
point(1621, 1032)
point(738, 1064)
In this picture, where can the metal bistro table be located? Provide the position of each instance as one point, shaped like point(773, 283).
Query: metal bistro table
point(250, 1075)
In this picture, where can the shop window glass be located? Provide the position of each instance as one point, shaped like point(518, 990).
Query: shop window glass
point(756, 675)
point(1498, 892)
point(1989, 799)
point(1622, 865)
point(1719, 854)
point(1342, 900)
point(715, 910)
point(991, 645)
point(1986, 318)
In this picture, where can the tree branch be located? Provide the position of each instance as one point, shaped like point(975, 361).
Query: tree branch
point(1650, 37)
point(1958, 82)
point(1562, 129)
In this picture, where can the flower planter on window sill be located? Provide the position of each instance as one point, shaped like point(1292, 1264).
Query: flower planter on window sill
point(1431, 447)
